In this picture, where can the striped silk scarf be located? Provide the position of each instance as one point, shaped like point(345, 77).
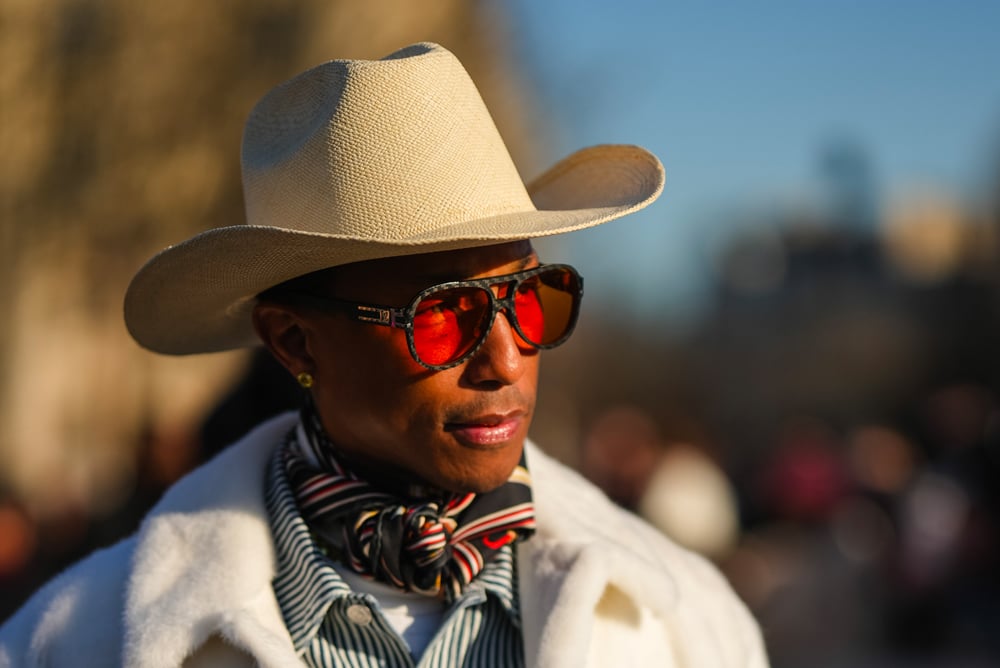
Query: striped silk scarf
point(433, 545)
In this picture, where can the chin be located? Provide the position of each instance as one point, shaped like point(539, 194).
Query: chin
point(489, 473)
point(483, 486)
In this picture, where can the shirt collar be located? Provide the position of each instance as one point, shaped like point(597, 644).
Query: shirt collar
point(306, 585)
point(499, 580)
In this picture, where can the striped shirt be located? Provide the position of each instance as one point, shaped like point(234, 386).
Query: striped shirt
point(332, 625)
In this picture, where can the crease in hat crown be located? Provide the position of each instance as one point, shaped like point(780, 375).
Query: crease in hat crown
point(410, 134)
point(356, 160)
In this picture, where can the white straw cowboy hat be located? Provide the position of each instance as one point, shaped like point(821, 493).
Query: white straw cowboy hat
point(356, 160)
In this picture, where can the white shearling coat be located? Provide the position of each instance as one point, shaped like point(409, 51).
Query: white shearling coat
point(193, 587)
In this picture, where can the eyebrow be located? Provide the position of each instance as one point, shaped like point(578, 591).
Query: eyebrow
point(526, 260)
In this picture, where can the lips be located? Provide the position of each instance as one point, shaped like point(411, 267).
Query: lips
point(487, 430)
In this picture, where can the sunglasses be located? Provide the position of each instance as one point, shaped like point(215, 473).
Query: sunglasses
point(446, 324)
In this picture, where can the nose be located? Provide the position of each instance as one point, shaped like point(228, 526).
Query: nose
point(500, 360)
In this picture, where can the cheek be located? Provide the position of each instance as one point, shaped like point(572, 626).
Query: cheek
point(366, 378)
point(357, 352)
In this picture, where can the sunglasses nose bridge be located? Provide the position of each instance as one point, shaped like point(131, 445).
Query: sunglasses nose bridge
point(504, 303)
point(511, 337)
point(501, 295)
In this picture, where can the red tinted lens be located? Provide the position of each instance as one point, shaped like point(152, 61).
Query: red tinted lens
point(447, 324)
point(530, 315)
point(546, 305)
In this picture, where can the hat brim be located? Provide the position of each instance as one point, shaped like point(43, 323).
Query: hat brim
point(197, 296)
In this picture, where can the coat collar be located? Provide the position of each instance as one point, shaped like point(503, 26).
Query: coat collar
point(575, 519)
point(585, 548)
point(204, 561)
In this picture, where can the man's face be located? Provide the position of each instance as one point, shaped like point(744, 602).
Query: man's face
point(461, 429)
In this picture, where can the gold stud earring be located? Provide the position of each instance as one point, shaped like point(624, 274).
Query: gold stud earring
point(305, 379)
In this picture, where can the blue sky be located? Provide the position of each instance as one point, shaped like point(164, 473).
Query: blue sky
point(739, 99)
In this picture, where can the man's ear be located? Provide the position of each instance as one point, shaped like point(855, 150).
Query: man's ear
point(281, 330)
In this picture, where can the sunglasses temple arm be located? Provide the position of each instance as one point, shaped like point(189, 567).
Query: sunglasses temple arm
point(380, 315)
point(373, 313)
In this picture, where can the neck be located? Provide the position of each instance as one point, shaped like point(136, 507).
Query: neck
point(384, 476)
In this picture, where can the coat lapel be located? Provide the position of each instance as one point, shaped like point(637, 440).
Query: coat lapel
point(584, 546)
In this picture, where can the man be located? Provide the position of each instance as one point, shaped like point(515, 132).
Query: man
point(402, 517)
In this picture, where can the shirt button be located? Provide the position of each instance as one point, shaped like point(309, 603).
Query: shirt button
point(359, 614)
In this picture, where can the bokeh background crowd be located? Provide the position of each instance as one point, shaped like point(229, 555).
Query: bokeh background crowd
point(802, 386)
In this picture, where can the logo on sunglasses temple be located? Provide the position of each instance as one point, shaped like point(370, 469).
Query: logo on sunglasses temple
point(382, 316)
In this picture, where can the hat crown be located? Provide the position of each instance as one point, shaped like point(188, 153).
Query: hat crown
point(383, 150)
